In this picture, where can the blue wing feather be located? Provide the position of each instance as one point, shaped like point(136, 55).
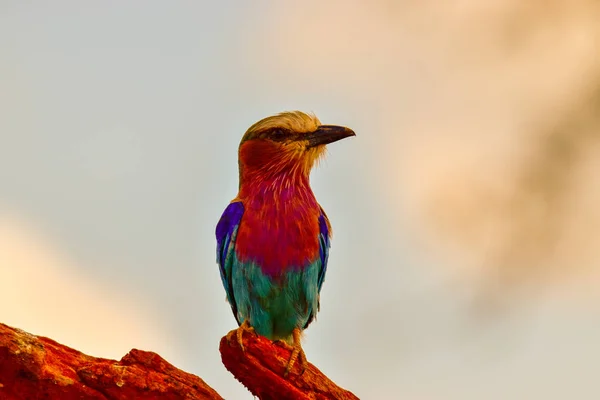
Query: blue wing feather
point(226, 232)
point(324, 244)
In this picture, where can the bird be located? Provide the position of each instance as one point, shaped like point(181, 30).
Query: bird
point(273, 238)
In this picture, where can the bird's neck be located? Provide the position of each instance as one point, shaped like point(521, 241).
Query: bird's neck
point(270, 173)
point(287, 185)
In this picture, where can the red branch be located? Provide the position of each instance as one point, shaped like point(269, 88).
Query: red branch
point(35, 367)
point(261, 366)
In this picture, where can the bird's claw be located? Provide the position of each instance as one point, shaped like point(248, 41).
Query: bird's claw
point(283, 343)
point(239, 333)
point(297, 354)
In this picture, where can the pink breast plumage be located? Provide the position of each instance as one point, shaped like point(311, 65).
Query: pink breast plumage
point(279, 236)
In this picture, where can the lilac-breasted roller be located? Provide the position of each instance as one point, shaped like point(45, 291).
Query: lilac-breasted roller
point(273, 238)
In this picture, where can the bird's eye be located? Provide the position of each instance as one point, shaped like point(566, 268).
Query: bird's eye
point(278, 134)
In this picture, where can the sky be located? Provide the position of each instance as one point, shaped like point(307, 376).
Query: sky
point(464, 260)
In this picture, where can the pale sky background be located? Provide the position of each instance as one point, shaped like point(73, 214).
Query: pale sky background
point(466, 228)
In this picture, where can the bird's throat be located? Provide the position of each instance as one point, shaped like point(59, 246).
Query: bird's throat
point(277, 189)
point(266, 165)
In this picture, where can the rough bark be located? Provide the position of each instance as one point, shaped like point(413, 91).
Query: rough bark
point(261, 367)
point(35, 367)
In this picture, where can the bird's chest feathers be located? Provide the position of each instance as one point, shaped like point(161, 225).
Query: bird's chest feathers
point(279, 230)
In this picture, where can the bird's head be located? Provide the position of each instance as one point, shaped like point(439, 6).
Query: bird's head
point(286, 143)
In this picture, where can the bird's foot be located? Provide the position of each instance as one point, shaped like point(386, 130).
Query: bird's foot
point(283, 343)
point(297, 354)
point(239, 332)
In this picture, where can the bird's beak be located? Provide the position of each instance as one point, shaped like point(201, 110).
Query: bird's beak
point(326, 134)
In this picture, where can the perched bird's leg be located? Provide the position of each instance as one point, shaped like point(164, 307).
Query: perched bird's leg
point(282, 343)
point(239, 332)
point(297, 353)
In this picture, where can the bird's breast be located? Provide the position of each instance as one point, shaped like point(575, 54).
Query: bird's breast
point(279, 230)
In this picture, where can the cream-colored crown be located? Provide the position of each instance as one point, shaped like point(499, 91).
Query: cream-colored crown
point(295, 121)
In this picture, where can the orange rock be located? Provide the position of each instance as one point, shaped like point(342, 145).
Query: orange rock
point(35, 367)
point(261, 367)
